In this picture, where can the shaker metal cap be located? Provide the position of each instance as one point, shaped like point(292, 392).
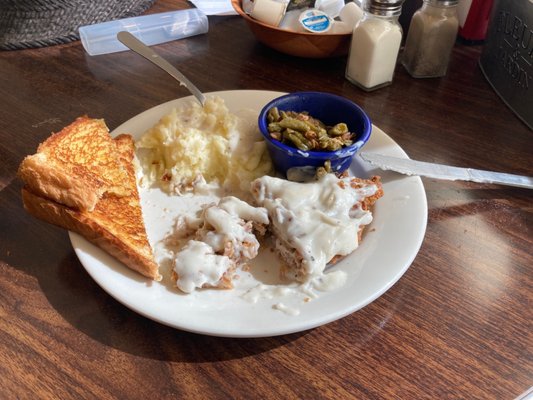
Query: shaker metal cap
point(444, 3)
point(383, 7)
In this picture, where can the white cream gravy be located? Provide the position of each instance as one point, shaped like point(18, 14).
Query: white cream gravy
point(203, 260)
point(319, 220)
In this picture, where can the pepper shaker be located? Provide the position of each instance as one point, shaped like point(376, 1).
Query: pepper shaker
point(375, 45)
point(430, 39)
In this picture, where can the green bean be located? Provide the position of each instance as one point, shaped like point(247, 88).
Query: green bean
point(323, 134)
point(330, 144)
point(274, 127)
point(334, 144)
point(305, 132)
point(325, 169)
point(316, 128)
point(273, 115)
point(293, 123)
point(298, 139)
point(338, 130)
point(320, 172)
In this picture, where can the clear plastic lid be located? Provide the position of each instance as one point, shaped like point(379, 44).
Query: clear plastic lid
point(151, 29)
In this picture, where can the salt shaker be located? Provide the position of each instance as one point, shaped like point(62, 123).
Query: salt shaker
point(430, 39)
point(375, 45)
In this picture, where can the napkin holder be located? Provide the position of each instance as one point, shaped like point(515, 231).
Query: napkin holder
point(507, 56)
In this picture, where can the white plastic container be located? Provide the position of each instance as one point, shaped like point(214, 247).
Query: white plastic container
point(291, 21)
point(315, 21)
point(351, 14)
point(270, 12)
point(330, 7)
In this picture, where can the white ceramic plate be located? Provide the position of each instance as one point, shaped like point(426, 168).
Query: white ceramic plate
point(388, 248)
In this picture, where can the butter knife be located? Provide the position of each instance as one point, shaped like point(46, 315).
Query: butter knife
point(131, 42)
point(407, 166)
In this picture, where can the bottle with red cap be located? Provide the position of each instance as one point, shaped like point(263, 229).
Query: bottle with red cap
point(474, 18)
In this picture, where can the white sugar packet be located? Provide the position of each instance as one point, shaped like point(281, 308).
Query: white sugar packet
point(215, 7)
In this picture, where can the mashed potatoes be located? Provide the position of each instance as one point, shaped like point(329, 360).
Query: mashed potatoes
point(194, 142)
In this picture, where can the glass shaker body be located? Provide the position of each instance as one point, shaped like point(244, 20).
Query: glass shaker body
point(430, 39)
point(374, 48)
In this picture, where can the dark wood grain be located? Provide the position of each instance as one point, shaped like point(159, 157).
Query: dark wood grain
point(458, 324)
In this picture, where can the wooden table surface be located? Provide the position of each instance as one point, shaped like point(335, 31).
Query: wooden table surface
point(457, 325)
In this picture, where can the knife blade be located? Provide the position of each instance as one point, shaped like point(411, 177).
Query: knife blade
point(407, 166)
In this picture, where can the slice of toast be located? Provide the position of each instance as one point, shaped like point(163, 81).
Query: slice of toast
point(102, 171)
point(76, 166)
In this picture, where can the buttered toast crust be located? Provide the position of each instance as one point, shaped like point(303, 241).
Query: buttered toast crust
point(133, 253)
point(115, 222)
point(76, 166)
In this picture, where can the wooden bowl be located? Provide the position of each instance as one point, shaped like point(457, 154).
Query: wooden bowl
point(309, 45)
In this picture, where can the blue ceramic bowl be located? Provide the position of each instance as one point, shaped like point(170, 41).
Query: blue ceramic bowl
point(330, 109)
